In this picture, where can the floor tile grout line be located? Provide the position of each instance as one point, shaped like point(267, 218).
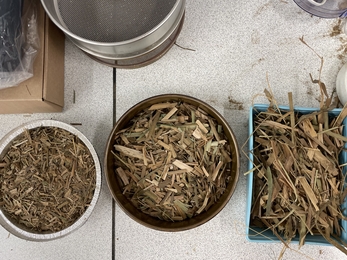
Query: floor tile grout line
point(113, 230)
point(113, 254)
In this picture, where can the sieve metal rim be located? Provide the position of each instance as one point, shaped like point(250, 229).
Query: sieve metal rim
point(150, 48)
point(113, 63)
point(110, 44)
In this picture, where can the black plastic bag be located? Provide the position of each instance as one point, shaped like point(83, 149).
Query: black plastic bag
point(18, 41)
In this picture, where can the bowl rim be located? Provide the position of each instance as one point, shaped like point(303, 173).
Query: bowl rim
point(33, 236)
point(170, 97)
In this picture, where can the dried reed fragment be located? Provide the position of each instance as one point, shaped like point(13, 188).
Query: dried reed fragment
point(48, 179)
point(298, 181)
point(181, 157)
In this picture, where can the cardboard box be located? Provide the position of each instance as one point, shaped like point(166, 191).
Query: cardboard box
point(44, 92)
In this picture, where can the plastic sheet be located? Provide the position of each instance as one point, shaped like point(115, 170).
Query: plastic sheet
point(19, 42)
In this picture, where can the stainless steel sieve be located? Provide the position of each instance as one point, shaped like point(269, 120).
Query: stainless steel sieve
point(116, 29)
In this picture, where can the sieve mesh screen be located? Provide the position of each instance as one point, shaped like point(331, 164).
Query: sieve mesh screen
point(113, 20)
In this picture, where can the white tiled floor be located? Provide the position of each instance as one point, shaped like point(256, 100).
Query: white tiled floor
point(236, 43)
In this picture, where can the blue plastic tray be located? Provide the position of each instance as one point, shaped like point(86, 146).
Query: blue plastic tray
point(268, 236)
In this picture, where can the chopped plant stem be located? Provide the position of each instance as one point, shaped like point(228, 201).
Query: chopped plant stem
point(47, 179)
point(298, 183)
point(183, 161)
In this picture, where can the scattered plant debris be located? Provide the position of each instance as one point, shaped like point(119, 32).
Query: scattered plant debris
point(47, 179)
point(173, 161)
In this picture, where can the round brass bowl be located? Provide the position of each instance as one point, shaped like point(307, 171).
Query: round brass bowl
point(150, 221)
